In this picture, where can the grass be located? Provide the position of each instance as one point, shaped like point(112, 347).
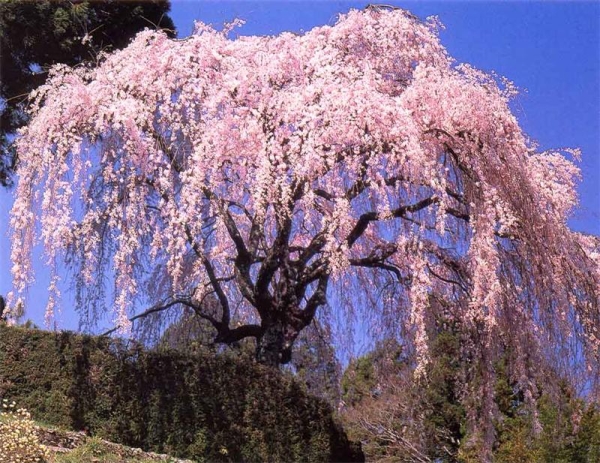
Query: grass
point(97, 451)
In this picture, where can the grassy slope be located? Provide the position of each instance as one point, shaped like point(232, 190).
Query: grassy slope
point(75, 447)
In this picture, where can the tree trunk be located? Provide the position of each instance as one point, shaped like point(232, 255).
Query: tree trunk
point(273, 347)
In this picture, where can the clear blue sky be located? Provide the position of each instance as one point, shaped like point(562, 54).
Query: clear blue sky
point(551, 50)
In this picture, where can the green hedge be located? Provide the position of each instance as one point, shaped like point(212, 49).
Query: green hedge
point(206, 407)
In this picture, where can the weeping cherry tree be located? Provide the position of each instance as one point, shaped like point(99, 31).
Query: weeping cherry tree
point(287, 176)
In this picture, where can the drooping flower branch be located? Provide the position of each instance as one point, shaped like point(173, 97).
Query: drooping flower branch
point(269, 172)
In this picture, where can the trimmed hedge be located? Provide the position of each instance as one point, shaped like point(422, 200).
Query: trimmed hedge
point(202, 406)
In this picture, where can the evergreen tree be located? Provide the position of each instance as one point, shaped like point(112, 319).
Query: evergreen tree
point(400, 418)
point(36, 35)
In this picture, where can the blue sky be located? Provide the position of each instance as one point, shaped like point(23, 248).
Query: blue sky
point(551, 50)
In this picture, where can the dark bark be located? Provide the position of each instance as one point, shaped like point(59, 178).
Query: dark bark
point(270, 345)
point(275, 342)
point(285, 284)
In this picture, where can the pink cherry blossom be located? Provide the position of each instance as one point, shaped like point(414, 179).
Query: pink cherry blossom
point(274, 172)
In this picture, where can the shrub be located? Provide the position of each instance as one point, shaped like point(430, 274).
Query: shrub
point(19, 441)
point(199, 406)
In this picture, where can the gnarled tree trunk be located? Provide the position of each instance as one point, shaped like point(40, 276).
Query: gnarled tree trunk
point(274, 345)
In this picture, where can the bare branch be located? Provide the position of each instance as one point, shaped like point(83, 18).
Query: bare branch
point(162, 306)
point(365, 219)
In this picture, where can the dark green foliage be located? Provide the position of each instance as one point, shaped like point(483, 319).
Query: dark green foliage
point(444, 413)
point(202, 406)
point(569, 433)
point(385, 404)
point(359, 380)
point(586, 444)
point(34, 35)
point(192, 334)
point(365, 375)
point(314, 363)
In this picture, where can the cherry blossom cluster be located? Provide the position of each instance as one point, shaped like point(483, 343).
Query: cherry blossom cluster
point(184, 161)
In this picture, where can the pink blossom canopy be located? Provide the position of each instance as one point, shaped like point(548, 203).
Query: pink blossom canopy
point(356, 160)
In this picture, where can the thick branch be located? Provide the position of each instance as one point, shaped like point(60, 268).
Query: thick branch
point(318, 298)
point(365, 219)
point(164, 305)
point(228, 336)
point(216, 284)
point(243, 254)
point(376, 263)
point(313, 248)
point(214, 281)
point(273, 260)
